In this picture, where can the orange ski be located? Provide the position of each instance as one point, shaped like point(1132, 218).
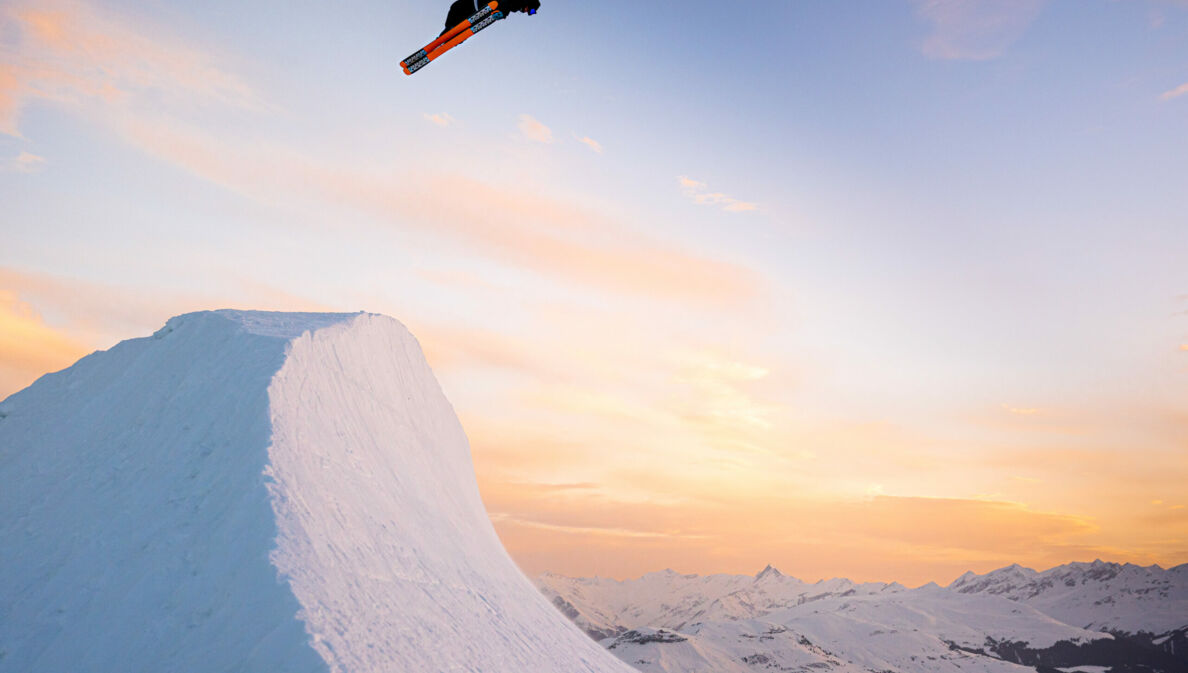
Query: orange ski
point(452, 38)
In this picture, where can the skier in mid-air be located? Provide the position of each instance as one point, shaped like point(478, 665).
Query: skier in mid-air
point(466, 18)
point(464, 9)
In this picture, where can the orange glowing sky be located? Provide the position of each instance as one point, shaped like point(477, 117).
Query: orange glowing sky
point(894, 313)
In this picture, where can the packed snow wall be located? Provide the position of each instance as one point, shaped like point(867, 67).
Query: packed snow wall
point(250, 491)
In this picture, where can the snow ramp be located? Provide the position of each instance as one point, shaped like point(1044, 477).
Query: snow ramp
point(247, 491)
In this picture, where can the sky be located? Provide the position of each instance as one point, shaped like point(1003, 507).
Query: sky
point(881, 290)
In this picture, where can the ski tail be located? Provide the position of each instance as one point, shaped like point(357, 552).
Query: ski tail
point(452, 33)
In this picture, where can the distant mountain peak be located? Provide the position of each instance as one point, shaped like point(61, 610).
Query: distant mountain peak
point(769, 571)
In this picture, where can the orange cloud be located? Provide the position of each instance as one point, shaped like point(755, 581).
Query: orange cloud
point(587, 531)
point(450, 347)
point(26, 162)
point(28, 347)
point(79, 54)
point(591, 143)
point(698, 192)
point(440, 119)
point(9, 103)
point(559, 240)
point(534, 130)
point(1012, 421)
point(717, 394)
point(1175, 93)
point(551, 237)
point(100, 314)
point(1002, 528)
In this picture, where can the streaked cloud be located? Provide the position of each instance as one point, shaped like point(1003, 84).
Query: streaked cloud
point(582, 531)
point(881, 537)
point(76, 53)
point(99, 314)
point(534, 130)
point(83, 56)
point(29, 347)
point(591, 143)
point(698, 192)
point(975, 30)
point(457, 347)
point(1175, 93)
point(543, 234)
point(717, 391)
point(1005, 528)
point(1031, 421)
point(10, 98)
point(440, 119)
point(26, 162)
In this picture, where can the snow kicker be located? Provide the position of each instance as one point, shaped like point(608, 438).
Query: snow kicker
point(251, 491)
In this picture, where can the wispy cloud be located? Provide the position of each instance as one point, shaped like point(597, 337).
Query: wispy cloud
point(718, 397)
point(877, 537)
point(1001, 528)
point(699, 193)
point(534, 232)
point(1175, 93)
point(29, 347)
point(79, 54)
point(450, 347)
point(26, 163)
point(597, 531)
point(84, 56)
point(10, 101)
point(440, 119)
point(99, 314)
point(534, 130)
point(590, 142)
point(975, 30)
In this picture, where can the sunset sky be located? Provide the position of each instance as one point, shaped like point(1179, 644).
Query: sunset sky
point(884, 290)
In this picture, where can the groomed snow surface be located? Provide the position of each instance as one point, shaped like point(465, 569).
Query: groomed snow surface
point(258, 492)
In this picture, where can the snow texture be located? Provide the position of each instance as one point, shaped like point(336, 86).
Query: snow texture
point(249, 491)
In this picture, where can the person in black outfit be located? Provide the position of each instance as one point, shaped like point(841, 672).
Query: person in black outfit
point(462, 10)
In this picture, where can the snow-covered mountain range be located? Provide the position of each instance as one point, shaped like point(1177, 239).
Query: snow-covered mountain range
point(249, 492)
point(1098, 595)
point(1111, 616)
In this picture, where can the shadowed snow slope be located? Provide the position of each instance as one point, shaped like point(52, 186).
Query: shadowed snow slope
point(258, 492)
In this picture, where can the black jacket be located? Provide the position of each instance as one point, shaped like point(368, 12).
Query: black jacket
point(462, 10)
